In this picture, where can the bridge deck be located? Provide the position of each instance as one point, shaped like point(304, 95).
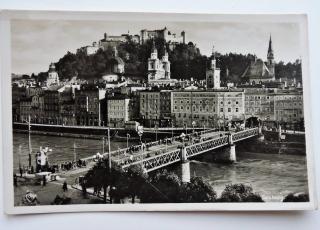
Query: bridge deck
point(162, 157)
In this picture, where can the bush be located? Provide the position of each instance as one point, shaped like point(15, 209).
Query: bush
point(198, 190)
point(239, 193)
point(301, 197)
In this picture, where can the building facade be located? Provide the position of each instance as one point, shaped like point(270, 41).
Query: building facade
point(89, 106)
point(164, 34)
point(118, 109)
point(115, 40)
point(203, 108)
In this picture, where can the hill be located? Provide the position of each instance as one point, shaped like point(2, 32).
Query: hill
point(186, 62)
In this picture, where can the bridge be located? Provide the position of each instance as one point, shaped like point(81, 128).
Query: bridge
point(181, 149)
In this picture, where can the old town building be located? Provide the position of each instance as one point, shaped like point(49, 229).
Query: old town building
point(118, 109)
point(155, 108)
point(203, 108)
point(89, 103)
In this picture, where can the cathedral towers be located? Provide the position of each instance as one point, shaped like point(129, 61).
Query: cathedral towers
point(158, 69)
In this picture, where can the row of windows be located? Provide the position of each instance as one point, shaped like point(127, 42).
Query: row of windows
point(206, 102)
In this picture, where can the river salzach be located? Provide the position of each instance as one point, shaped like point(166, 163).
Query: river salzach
point(271, 175)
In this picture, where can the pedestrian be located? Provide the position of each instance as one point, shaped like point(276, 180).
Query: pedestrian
point(15, 180)
point(21, 171)
point(84, 190)
point(65, 186)
point(44, 180)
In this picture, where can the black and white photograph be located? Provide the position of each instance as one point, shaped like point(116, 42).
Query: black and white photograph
point(179, 112)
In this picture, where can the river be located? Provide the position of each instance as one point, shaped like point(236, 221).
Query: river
point(271, 175)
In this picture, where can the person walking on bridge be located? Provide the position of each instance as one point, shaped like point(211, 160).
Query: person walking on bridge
point(65, 186)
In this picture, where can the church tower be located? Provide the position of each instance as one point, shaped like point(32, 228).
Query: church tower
point(153, 64)
point(53, 78)
point(213, 73)
point(166, 64)
point(270, 58)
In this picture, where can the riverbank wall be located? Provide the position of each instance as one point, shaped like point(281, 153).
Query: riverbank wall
point(89, 132)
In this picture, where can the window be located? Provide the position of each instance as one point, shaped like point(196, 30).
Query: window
point(237, 110)
point(229, 110)
point(221, 109)
point(237, 102)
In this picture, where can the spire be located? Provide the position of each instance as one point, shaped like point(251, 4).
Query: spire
point(270, 45)
point(213, 53)
point(213, 59)
point(270, 55)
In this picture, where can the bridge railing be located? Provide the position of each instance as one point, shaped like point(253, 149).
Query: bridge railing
point(238, 136)
point(155, 162)
point(206, 145)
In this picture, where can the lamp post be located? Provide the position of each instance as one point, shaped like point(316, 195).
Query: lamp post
point(109, 150)
point(166, 144)
point(29, 136)
point(193, 124)
point(171, 129)
point(128, 136)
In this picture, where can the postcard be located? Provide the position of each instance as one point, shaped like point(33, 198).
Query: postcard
point(110, 111)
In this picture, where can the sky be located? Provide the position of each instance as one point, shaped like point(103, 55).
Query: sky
point(37, 43)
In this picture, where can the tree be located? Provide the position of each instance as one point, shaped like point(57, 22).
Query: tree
point(136, 179)
point(239, 193)
point(101, 176)
point(302, 197)
point(198, 190)
point(164, 187)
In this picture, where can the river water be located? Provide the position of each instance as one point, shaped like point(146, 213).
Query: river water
point(271, 175)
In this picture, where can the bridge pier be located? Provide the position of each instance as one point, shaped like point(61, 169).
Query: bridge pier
point(184, 166)
point(229, 153)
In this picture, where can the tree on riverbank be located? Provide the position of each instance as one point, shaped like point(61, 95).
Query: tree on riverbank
point(136, 177)
point(101, 176)
point(239, 193)
point(198, 190)
point(163, 187)
point(301, 197)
